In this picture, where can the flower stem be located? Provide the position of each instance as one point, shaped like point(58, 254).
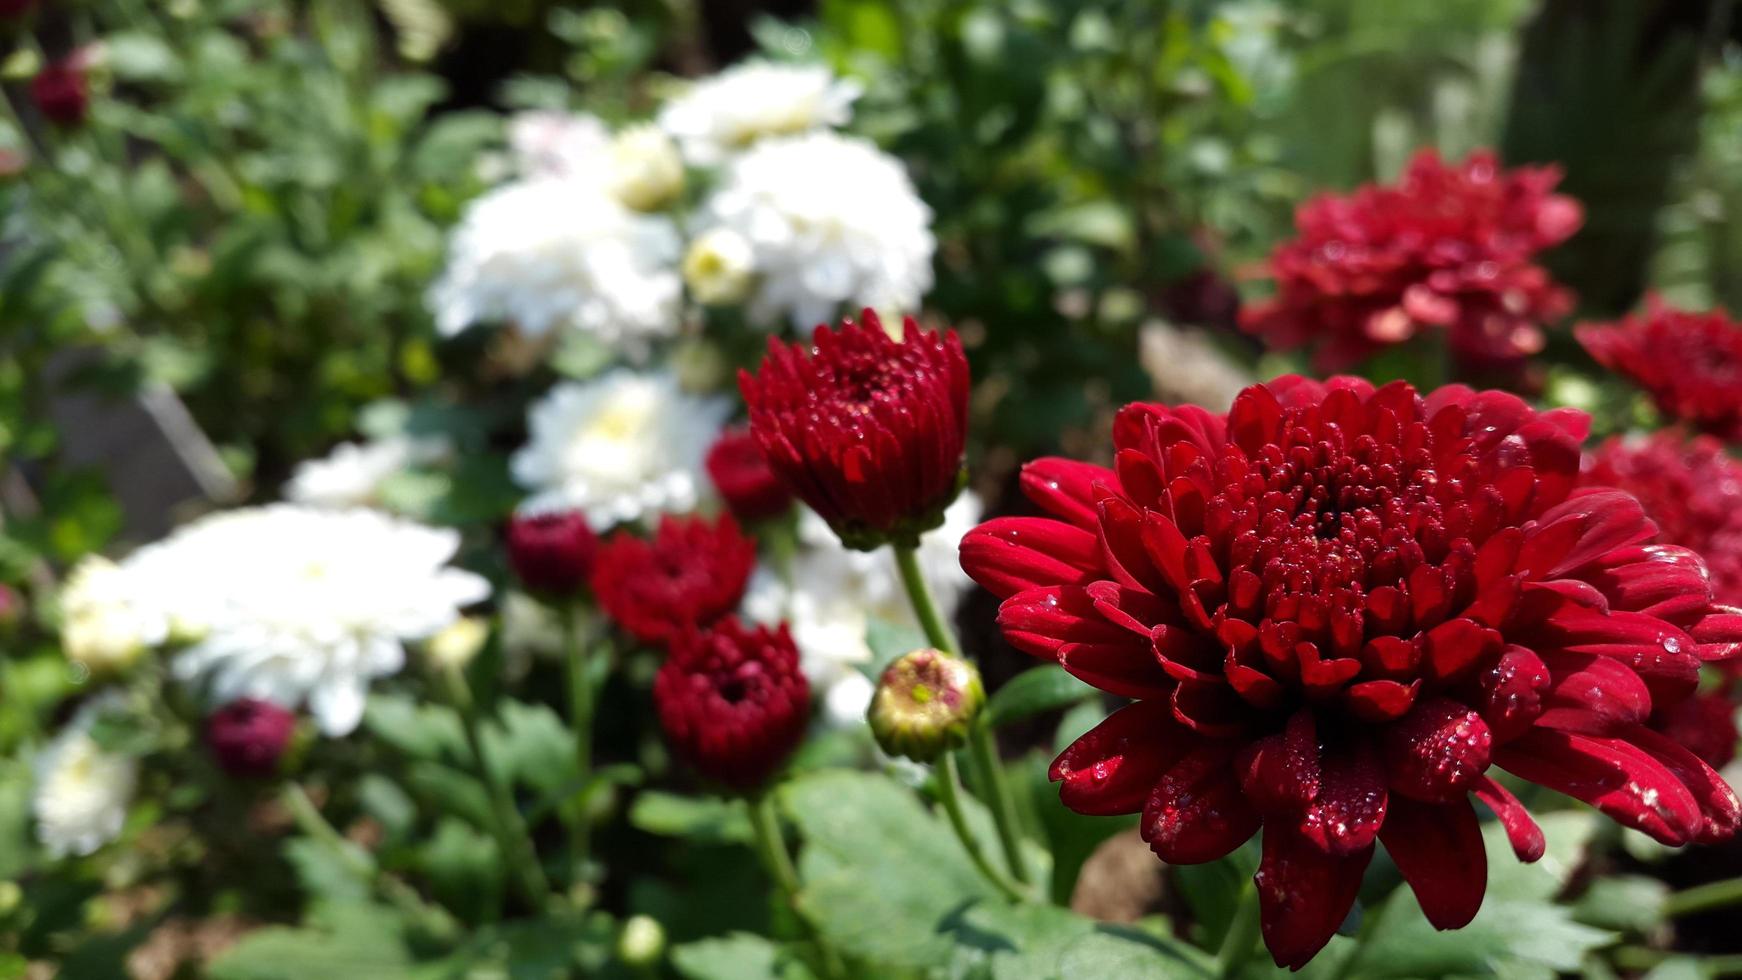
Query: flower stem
point(1242, 935)
point(512, 837)
point(950, 794)
point(313, 823)
point(980, 742)
point(771, 847)
point(577, 664)
point(1703, 898)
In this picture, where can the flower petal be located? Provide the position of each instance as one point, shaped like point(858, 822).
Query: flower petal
point(1521, 829)
point(1303, 893)
point(1196, 813)
point(1008, 555)
point(1438, 848)
point(1113, 767)
point(1611, 775)
point(1436, 751)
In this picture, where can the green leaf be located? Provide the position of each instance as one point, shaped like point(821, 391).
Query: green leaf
point(739, 956)
point(530, 745)
point(708, 820)
point(1625, 903)
point(420, 730)
point(1036, 690)
point(342, 940)
point(1111, 951)
point(326, 873)
point(464, 867)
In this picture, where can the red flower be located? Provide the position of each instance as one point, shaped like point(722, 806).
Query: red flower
point(247, 737)
point(741, 473)
point(1690, 488)
point(866, 429)
point(1446, 247)
point(733, 701)
point(60, 92)
point(552, 553)
point(16, 8)
point(1705, 723)
point(1690, 363)
point(690, 574)
point(1336, 607)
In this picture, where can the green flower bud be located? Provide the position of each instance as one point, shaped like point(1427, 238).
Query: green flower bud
point(924, 704)
point(641, 944)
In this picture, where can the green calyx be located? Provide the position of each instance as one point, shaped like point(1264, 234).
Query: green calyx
point(924, 704)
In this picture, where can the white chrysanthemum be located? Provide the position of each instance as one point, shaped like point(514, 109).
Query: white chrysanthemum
point(619, 446)
point(832, 594)
point(643, 169)
point(351, 475)
point(640, 166)
point(832, 221)
point(548, 143)
point(82, 792)
point(306, 605)
point(719, 267)
point(551, 253)
point(109, 616)
point(727, 113)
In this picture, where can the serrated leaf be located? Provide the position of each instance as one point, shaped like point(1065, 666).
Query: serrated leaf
point(739, 956)
point(1110, 951)
point(1036, 690)
point(1625, 903)
point(530, 745)
point(424, 731)
point(464, 867)
point(707, 820)
point(343, 940)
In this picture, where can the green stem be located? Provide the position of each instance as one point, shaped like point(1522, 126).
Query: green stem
point(512, 837)
point(313, 823)
point(771, 848)
point(1242, 936)
point(576, 664)
point(950, 795)
point(980, 743)
point(1703, 898)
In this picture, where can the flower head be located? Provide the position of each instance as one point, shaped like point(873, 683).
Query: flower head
point(247, 737)
point(552, 552)
point(618, 447)
point(866, 429)
point(733, 702)
point(689, 574)
point(924, 704)
point(831, 222)
point(110, 616)
point(82, 790)
point(1448, 247)
point(300, 605)
point(719, 267)
point(1335, 608)
point(1690, 488)
point(1690, 363)
point(746, 483)
point(550, 253)
point(725, 114)
point(61, 92)
point(352, 474)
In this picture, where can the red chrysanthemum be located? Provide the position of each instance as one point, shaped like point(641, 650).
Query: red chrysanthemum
point(1336, 607)
point(733, 701)
point(689, 574)
point(1689, 363)
point(865, 429)
point(1705, 723)
point(552, 553)
point(1690, 488)
point(745, 480)
point(247, 737)
point(1449, 248)
point(61, 93)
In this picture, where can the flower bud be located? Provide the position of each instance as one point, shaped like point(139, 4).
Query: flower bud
point(552, 553)
point(458, 642)
point(646, 172)
point(641, 944)
point(924, 704)
point(741, 473)
point(718, 267)
point(61, 93)
point(247, 737)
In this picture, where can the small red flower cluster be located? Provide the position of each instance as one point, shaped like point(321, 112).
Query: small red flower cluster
point(1336, 607)
point(733, 702)
point(689, 574)
point(1691, 488)
point(866, 430)
point(552, 553)
point(750, 487)
point(247, 737)
point(1449, 248)
point(1690, 363)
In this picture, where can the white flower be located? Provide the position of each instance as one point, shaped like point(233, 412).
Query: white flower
point(643, 169)
point(618, 447)
point(109, 616)
point(728, 112)
point(547, 143)
point(306, 605)
point(831, 221)
point(552, 253)
point(831, 595)
point(718, 267)
point(82, 792)
point(351, 475)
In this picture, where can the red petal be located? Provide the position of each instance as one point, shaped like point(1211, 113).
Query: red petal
point(1127, 670)
point(1064, 488)
point(1611, 775)
point(1454, 647)
point(1436, 751)
point(1197, 813)
point(1280, 773)
point(1599, 685)
point(1512, 692)
point(1439, 850)
point(1212, 710)
point(1586, 527)
point(1112, 768)
point(1008, 555)
point(1303, 893)
point(1521, 829)
point(1719, 634)
point(1040, 621)
point(1718, 802)
point(1380, 701)
point(1350, 807)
